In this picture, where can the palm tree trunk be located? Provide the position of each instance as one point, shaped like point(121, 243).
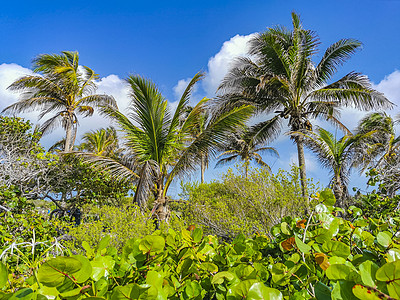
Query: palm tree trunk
point(338, 191)
point(203, 167)
point(68, 135)
point(302, 167)
point(162, 207)
point(246, 168)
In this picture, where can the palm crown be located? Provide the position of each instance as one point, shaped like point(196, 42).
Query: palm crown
point(280, 78)
point(61, 88)
point(242, 145)
point(161, 143)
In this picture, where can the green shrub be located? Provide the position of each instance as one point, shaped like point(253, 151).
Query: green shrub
point(319, 257)
point(120, 223)
point(236, 204)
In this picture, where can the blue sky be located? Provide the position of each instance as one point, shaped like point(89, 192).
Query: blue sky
point(169, 41)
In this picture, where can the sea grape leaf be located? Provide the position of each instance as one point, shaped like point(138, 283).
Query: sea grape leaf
point(338, 272)
point(336, 248)
point(197, 235)
point(86, 269)
point(102, 266)
point(390, 273)
point(384, 239)
point(367, 271)
point(361, 292)
point(219, 277)
point(104, 242)
point(152, 244)
point(53, 272)
point(327, 197)
point(322, 292)
point(302, 246)
point(393, 254)
point(258, 291)
point(130, 291)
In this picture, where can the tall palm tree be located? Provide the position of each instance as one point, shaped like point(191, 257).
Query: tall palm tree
point(161, 143)
point(102, 142)
point(62, 88)
point(280, 79)
point(337, 155)
point(243, 146)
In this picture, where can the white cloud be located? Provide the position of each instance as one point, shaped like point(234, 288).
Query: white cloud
point(180, 87)
point(8, 74)
point(390, 86)
point(219, 64)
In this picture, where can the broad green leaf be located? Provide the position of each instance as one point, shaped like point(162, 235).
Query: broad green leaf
point(209, 267)
point(302, 246)
point(367, 238)
point(343, 290)
point(53, 272)
point(197, 235)
point(390, 273)
point(88, 249)
point(322, 292)
point(104, 242)
point(101, 287)
point(338, 272)
point(3, 275)
point(393, 254)
point(219, 277)
point(336, 248)
point(152, 244)
point(285, 228)
point(154, 278)
point(322, 235)
point(243, 287)
point(384, 239)
point(361, 292)
point(86, 270)
point(192, 289)
point(258, 291)
point(367, 271)
point(327, 197)
point(130, 291)
point(102, 266)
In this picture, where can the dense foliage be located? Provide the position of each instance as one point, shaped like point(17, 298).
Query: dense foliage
point(243, 203)
point(320, 257)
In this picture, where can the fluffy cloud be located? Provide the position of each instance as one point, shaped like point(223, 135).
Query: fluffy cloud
point(8, 74)
point(390, 86)
point(219, 64)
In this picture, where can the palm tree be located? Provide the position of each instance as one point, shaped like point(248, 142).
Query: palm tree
point(102, 142)
point(337, 155)
point(243, 146)
point(62, 88)
point(381, 150)
point(160, 143)
point(280, 79)
point(383, 145)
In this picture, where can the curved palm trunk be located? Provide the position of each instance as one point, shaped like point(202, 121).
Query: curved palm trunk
point(302, 167)
point(203, 167)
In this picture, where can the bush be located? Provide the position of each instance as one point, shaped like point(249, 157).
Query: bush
point(236, 204)
point(120, 223)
